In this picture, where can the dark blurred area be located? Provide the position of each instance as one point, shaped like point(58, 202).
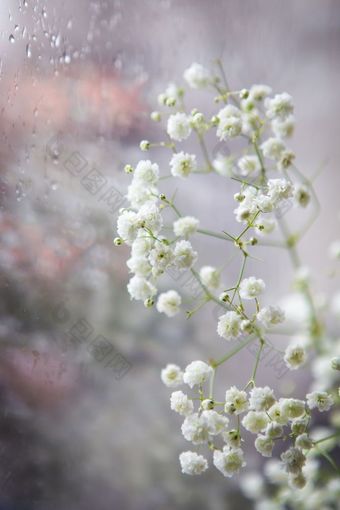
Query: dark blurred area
point(85, 422)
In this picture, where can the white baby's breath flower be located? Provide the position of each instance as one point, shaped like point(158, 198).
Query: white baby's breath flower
point(147, 172)
point(185, 256)
point(230, 122)
point(293, 460)
point(192, 463)
point(320, 400)
point(335, 363)
point(195, 429)
point(278, 413)
point(251, 287)
point(272, 148)
point(232, 438)
point(283, 128)
point(255, 421)
point(292, 407)
point(186, 226)
point(295, 356)
point(236, 401)
point(169, 303)
point(223, 165)
point(139, 265)
point(216, 422)
point(178, 127)
point(210, 277)
point(274, 430)
point(281, 106)
point(150, 217)
point(172, 376)
point(197, 76)
point(142, 245)
point(183, 164)
point(139, 194)
point(264, 445)
point(229, 325)
point(304, 442)
point(229, 461)
point(279, 189)
point(261, 399)
point(259, 92)
point(180, 403)
point(270, 316)
point(128, 225)
point(302, 195)
point(161, 257)
point(249, 165)
point(196, 372)
point(140, 288)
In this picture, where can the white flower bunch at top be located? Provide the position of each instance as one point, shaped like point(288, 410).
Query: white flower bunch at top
point(264, 181)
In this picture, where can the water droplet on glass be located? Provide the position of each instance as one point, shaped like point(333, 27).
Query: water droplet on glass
point(28, 51)
point(54, 185)
point(11, 39)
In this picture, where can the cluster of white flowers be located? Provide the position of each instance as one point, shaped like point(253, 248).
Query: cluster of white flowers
point(268, 184)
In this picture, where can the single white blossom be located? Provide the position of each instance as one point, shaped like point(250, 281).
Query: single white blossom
point(236, 401)
point(264, 445)
point(272, 148)
point(261, 399)
point(178, 127)
point(251, 287)
point(295, 356)
point(172, 376)
point(320, 400)
point(169, 303)
point(192, 463)
point(197, 372)
point(230, 122)
point(255, 421)
point(183, 164)
point(181, 403)
point(186, 226)
point(229, 325)
point(229, 461)
point(185, 256)
point(249, 165)
point(270, 316)
point(210, 277)
point(147, 172)
point(281, 106)
point(195, 429)
point(293, 460)
point(197, 76)
point(140, 288)
point(259, 92)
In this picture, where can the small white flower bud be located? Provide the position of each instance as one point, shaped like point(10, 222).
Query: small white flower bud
point(128, 169)
point(170, 101)
point(144, 145)
point(149, 302)
point(207, 404)
point(244, 94)
point(335, 363)
point(156, 116)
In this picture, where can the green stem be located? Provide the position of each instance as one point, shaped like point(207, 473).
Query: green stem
point(231, 353)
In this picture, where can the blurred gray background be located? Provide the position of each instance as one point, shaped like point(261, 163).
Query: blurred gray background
point(78, 80)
